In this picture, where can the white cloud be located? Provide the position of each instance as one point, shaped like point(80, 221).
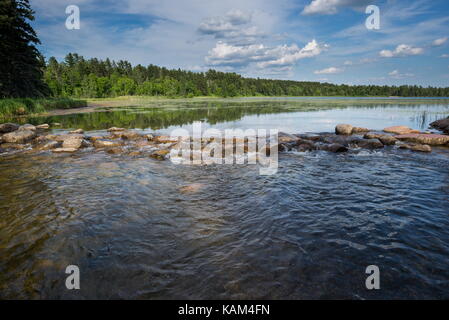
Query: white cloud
point(444, 56)
point(229, 25)
point(439, 42)
point(401, 50)
point(279, 57)
point(330, 70)
point(331, 6)
point(395, 74)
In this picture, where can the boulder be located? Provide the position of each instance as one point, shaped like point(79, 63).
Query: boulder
point(442, 125)
point(8, 127)
point(72, 143)
point(130, 135)
point(400, 130)
point(344, 129)
point(61, 150)
point(430, 139)
point(13, 146)
point(370, 144)
point(286, 138)
point(387, 140)
point(335, 147)
point(64, 137)
point(165, 139)
point(19, 136)
point(372, 135)
point(160, 154)
point(356, 130)
point(105, 144)
point(27, 127)
point(77, 131)
point(115, 150)
point(49, 145)
point(43, 126)
point(115, 129)
point(416, 147)
point(149, 136)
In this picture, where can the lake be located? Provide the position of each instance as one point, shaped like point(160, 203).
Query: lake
point(307, 232)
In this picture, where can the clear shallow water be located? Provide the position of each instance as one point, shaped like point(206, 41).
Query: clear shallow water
point(307, 232)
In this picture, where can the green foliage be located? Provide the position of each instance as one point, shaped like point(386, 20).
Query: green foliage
point(22, 106)
point(20, 62)
point(94, 78)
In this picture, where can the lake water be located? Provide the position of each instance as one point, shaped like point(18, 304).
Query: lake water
point(307, 232)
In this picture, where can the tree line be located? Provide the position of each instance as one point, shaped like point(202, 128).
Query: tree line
point(95, 78)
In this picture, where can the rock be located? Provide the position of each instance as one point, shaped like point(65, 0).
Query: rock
point(130, 135)
point(442, 125)
point(430, 139)
point(105, 144)
point(43, 126)
point(344, 129)
point(335, 147)
point(115, 150)
point(416, 147)
point(149, 136)
point(94, 138)
point(27, 127)
point(115, 129)
point(356, 130)
point(165, 139)
point(135, 153)
point(49, 145)
point(372, 135)
point(19, 136)
point(160, 154)
point(14, 146)
point(77, 131)
point(64, 137)
point(61, 150)
point(72, 143)
point(400, 130)
point(191, 188)
point(387, 140)
point(8, 127)
point(370, 144)
point(286, 138)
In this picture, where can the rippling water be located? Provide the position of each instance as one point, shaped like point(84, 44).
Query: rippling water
point(307, 232)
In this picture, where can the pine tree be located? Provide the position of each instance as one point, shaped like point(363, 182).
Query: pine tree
point(21, 63)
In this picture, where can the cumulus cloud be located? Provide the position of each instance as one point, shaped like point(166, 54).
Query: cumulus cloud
point(280, 57)
point(401, 50)
point(332, 6)
point(439, 42)
point(330, 70)
point(395, 74)
point(232, 25)
point(445, 56)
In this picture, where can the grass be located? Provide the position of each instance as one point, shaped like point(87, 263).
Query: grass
point(26, 106)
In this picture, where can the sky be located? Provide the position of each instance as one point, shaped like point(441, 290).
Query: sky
point(305, 40)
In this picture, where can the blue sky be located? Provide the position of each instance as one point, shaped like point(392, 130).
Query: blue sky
point(311, 40)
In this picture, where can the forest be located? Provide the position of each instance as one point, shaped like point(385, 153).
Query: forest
point(78, 77)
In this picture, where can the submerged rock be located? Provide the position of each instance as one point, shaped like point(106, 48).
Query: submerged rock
point(430, 139)
point(49, 145)
point(19, 136)
point(115, 150)
point(8, 127)
point(130, 135)
point(63, 150)
point(416, 147)
point(335, 147)
point(160, 154)
point(105, 144)
point(388, 140)
point(344, 129)
point(13, 146)
point(191, 188)
point(370, 144)
point(442, 125)
point(400, 130)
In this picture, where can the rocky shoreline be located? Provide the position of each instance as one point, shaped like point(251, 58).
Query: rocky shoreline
point(30, 139)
